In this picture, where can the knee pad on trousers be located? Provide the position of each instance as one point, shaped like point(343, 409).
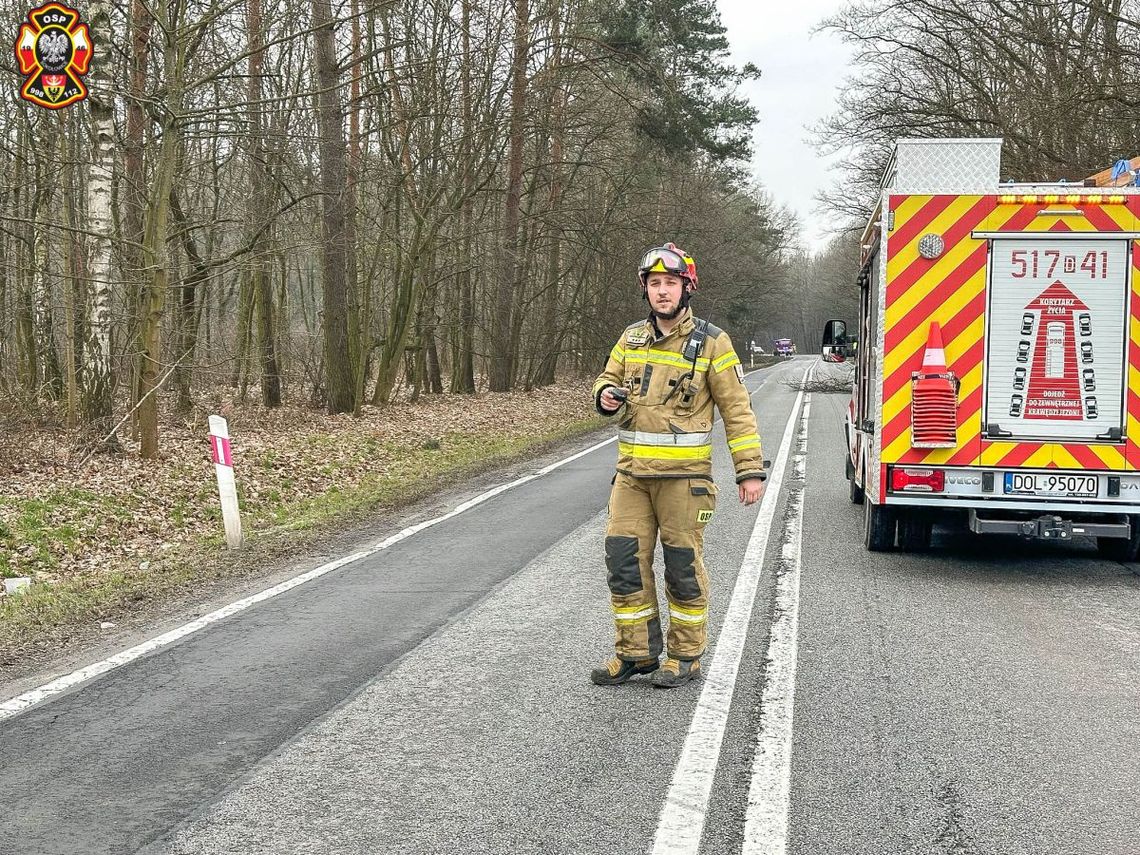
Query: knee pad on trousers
point(681, 572)
point(624, 571)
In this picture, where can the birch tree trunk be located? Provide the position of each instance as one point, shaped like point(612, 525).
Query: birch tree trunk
point(96, 372)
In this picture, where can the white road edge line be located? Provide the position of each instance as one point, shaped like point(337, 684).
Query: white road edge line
point(682, 818)
point(766, 818)
point(35, 696)
point(28, 699)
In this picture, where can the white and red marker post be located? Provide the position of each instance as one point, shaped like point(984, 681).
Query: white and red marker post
point(227, 487)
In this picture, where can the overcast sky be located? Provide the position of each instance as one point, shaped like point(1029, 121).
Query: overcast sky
point(802, 73)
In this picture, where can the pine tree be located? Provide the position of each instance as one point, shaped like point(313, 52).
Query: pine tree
point(676, 54)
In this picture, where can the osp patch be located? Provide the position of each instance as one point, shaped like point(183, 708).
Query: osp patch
point(54, 52)
point(703, 516)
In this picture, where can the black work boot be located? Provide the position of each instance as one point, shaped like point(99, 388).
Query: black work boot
point(617, 671)
point(676, 672)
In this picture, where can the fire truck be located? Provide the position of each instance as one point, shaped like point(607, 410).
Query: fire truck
point(997, 381)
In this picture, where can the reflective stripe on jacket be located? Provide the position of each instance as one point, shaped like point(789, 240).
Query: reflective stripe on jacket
point(666, 422)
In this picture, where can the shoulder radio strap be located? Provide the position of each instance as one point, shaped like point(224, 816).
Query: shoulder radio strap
point(694, 344)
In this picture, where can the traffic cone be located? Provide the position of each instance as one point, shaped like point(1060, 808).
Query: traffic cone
point(934, 398)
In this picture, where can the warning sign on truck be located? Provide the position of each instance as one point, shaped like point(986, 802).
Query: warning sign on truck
point(1055, 349)
point(1054, 386)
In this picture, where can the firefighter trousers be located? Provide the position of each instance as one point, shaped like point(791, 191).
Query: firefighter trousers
point(639, 509)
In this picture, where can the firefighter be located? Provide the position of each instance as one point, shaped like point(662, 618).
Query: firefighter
point(662, 380)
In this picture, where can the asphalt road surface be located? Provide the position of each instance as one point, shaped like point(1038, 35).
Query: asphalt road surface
point(433, 695)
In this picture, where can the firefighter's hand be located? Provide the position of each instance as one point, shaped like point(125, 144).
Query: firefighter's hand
point(609, 401)
point(751, 490)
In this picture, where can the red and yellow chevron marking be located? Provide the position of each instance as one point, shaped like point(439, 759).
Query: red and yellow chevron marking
point(952, 290)
point(1133, 399)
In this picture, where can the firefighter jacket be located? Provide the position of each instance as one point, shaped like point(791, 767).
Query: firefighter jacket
point(665, 425)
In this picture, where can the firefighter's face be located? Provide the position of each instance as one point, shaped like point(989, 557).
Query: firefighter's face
point(664, 291)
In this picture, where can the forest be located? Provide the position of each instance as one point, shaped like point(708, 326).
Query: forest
point(337, 206)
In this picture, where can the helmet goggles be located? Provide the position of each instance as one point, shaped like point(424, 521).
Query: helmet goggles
point(661, 259)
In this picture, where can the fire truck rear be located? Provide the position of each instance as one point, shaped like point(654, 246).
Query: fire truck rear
point(997, 376)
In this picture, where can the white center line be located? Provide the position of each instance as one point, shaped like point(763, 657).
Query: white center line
point(766, 819)
point(682, 818)
point(35, 696)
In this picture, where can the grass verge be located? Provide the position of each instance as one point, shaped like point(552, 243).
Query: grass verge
point(289, 510)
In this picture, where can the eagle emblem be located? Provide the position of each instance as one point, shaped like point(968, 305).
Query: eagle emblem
point(53, 49)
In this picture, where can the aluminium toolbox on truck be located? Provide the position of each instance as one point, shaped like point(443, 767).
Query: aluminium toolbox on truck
point(1002, 383)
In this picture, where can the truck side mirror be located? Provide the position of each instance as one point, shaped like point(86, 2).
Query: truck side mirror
point(834, 348)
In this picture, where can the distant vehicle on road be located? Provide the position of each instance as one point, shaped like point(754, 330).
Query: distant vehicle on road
point(784, 348)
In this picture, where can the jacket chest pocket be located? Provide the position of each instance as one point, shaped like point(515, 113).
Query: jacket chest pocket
point(637, 374)
point(647, 380)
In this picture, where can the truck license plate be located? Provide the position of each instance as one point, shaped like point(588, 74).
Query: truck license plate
point(1076, 486)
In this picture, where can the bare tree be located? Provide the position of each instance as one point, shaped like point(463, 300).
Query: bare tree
point(502, 352)
point(334, 249)
point(175, 46)
point(1057, 81)
point(487, 161)
point(259, 224)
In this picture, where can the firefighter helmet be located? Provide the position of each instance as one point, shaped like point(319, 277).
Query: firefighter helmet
point(668, 259)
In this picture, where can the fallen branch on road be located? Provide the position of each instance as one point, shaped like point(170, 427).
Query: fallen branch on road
point(827, 385)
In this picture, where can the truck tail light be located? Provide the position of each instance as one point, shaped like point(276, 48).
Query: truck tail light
point(909, 480)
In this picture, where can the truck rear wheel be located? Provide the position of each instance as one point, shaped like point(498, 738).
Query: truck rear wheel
point(915, 529)
point(1123, 549)
point(879, 524)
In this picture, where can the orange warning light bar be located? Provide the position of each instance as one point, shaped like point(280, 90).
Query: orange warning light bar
point(1054, 198)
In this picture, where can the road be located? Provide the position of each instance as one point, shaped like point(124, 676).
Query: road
point(432, 696)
